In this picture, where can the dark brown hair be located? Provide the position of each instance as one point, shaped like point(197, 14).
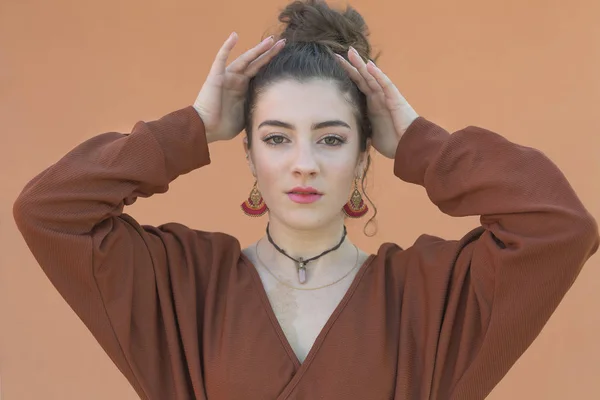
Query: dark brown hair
point(314, 34)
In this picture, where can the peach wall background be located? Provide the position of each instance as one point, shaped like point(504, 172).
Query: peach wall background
point(70, 70)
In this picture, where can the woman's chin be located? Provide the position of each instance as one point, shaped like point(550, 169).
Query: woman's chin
point(306, 218)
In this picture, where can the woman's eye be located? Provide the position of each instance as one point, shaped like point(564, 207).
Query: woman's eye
point(274, 140)
point(333, 141)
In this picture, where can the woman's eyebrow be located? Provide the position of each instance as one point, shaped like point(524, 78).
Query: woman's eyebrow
point(320, 125)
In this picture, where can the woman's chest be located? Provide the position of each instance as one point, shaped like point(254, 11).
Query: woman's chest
point(302, 314)
point(263, 338)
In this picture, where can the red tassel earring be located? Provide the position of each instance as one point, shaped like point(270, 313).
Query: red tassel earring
point(255, 205)
point(355, 207)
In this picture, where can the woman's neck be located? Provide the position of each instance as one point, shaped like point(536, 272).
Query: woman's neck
point(307, 244)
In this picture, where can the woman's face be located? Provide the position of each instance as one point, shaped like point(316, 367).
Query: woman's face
point(305, 139)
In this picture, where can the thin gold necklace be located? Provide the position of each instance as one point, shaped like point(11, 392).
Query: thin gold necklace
point(297, 288)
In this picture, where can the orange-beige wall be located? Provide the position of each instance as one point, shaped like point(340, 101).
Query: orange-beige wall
point(69, 70)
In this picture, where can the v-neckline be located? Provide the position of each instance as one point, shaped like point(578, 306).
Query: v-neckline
point(302, 367)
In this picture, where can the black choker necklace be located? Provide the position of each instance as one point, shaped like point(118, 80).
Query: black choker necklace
point(301, 262)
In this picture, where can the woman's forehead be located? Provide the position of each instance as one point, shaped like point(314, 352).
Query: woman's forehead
point(310, 102)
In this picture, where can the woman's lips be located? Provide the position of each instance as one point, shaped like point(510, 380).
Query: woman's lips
point(304, 198)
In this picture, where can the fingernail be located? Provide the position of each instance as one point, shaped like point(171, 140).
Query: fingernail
point(372, 63)
point(281, 41)
point(354, 50)
point(267, 39)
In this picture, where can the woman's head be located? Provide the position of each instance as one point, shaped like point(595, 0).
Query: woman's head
point(306, 121)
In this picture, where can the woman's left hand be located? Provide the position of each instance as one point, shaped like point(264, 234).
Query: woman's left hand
point(389, 112)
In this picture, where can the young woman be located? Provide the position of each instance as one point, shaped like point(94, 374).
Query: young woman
point(303, 313)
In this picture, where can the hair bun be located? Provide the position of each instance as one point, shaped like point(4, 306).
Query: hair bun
point(314, 21)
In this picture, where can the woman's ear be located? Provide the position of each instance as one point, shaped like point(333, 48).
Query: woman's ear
point(368, 144)
point(364, 160)
point(249, 157)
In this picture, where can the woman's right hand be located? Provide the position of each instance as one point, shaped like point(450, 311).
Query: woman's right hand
point(220, 102)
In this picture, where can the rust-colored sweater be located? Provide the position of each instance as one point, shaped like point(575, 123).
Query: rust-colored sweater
point(183, 313)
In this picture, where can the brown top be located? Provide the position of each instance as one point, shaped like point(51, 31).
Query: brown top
point(183, 313)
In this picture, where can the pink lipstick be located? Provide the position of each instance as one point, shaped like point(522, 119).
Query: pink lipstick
point(304, 195)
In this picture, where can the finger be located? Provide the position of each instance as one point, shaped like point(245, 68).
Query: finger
point(390, 90)
point(361, 67)
point(264, 59)
point(240, 64)
point(218, 66)
point(354, 75)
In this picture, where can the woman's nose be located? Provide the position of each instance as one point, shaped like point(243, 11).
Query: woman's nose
point(305, 162)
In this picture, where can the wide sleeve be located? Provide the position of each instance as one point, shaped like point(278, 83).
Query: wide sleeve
point(502, 281)
point(117, 275)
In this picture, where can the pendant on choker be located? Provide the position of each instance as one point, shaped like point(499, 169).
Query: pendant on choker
point(301, 270)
